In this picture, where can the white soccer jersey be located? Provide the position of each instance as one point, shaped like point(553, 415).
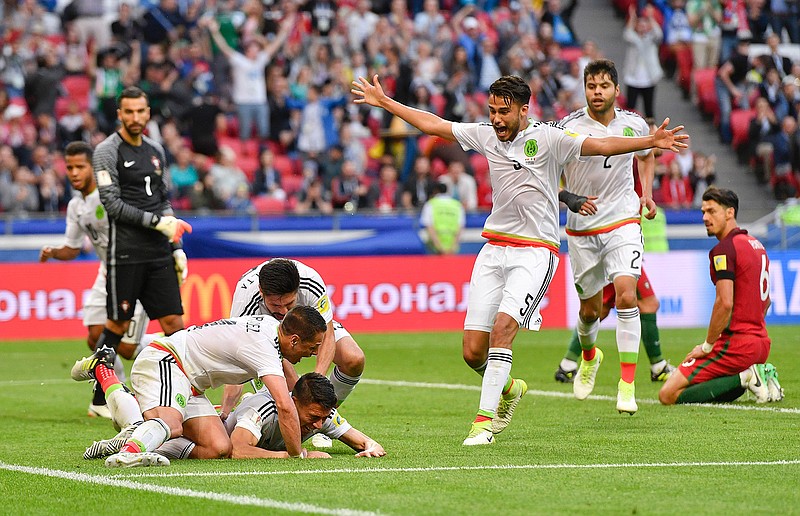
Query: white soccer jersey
point(226, 352)
point(86, 216)
point(247, 298)
point(258, 415)
point(525, 175)
point(610, 179)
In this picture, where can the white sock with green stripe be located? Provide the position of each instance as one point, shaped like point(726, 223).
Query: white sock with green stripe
point(629, 332)
point(498, 368)
point(123, 406)
point(147, 437)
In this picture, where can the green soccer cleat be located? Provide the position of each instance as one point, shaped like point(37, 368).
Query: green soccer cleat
point(480, 433)
point(508, 402)
point(626, 398)
point(136, 460)
point(83, 370)
point(662, 374)
point(584, 383)
point(756, 384)
point(773, 385)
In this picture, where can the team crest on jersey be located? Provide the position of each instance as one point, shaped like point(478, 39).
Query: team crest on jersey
point(628, 131)
point(125, 305)
point(157, 165)
point(720, 263)
point(531, 148)
point(100, 212)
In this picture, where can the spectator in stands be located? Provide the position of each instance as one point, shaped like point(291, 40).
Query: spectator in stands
point(777, 61)
point(280, 113)
point(786, 154)
point(164, 22)
point(386, 193)
point(733, 27)
point(785, 14)
point(676, 190)
point(548, 90)
point(249, 88)
point(443, 219)
point(314, 198)
point(560, 19)
point(760, 135)
point(361, 24)
point(731, 87)
point(428, 21)
point(461, 186)
point(226, 177)
point(126, 28)
point(519, 22)
point(42, 86)
point(76, 55)
point(772, 90)
point(642, 66)
point(418, 188)
point(703, 175)
point(348, 190)
point(88, 18)
point(704, 17)
point(182, 173)
point(21, 196)
point(267, 180)
point(791, 92)
point(52, 193)
point(758, 20)
point(205, 119)
point(111, 73)
point(678, 38)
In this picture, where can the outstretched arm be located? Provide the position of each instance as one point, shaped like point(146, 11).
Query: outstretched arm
point(426, 122)
point(363, 444)
point(662, 138)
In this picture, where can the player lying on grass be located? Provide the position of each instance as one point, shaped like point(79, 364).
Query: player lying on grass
point(255, 432)
point(171, 374)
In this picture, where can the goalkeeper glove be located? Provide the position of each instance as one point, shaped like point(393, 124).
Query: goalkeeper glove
point(181, 265)
point(172, 228)
point(573, 201)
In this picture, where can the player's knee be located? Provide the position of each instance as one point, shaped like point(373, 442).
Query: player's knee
point(126, 350)
point(667, 396)
point(588, 314)
point(626, 299)
point(473, 357)
point(222, 449)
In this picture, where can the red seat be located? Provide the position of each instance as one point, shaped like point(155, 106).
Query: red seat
point(284, 165)
point(438, 102)
point(248, 164)
point(480, 166)
point(704, 81)
point(740, 125)
point(292, 184)
point(571, 54)
point(77, 86)
point(265, 205)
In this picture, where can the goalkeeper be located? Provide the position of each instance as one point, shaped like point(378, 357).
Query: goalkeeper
point(145, 259)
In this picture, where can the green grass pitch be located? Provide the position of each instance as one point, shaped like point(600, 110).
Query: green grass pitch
point(418, 398)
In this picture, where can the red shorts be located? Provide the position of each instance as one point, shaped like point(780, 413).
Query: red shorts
point(643, 290)
point(731, 355)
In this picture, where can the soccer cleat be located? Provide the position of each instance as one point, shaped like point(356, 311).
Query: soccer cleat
point(83, 370)
point(756, 384)
point(626, 398)
point(136, 460)
point(662, 374)
point(107, 447)
point(508, 402)
point(99, 411)
point(773, 385)
point(321, 441)
point(565, 376)
point(584, 382)
point(480, 433)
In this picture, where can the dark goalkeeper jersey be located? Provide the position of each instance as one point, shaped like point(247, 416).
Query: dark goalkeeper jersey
point(133, 187)
point(742, 259)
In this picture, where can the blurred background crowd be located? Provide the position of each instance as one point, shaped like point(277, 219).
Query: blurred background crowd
point(251, 99)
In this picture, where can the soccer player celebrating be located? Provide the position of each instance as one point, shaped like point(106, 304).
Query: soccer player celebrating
point(144, 253)
point(607, 247)
point(170, 376)
point(731, 358)
point(275, 287)
point(255, 432)
point(514, 269)
point(87, 218)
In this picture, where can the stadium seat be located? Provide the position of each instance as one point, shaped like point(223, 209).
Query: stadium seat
point(248, 164)
point(284, 165)
point(292, 184)
point(740, 126)
point(571, 54)
point(704, 81)
point(265, 205)
point(480, 166)
point(77, 86)
point(438, 102)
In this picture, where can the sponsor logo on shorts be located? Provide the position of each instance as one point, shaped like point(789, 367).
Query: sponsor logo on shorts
point(180, 400)
point(100, 212)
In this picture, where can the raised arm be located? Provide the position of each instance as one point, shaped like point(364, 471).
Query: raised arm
point(213, 29)
point(662, 138)
point(425, 121)
point(287, 25)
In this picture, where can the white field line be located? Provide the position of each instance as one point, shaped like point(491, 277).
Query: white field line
point(341, 471)
point(251, 501)
point(462, 387)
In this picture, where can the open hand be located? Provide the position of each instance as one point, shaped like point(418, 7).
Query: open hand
point(367, 93)
point(668, 139)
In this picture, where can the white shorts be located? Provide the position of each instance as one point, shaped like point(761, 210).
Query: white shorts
point(512, 280)
point(157, 381)
point(339, 332)
point(597, 259)
point(95, 312)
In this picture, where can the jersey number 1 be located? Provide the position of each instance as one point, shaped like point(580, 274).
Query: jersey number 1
point(147, 189)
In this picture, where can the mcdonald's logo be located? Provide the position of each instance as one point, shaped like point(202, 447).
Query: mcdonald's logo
point(205, 297)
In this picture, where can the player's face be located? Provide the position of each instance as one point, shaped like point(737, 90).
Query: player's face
point(715, 217)
point(311, 416)
point(506, 118)
point(601, 93)
point(80, 173)
point(280, 304)
point(134, 115)
point(299, 349)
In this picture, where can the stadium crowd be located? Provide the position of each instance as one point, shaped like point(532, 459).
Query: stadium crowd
point(297, 143)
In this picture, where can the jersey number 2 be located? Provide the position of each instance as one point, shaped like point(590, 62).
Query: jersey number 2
point(606, 164)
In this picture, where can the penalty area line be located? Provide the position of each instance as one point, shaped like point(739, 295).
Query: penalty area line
point(433, 469)
point(251, 501)
point(569, 395)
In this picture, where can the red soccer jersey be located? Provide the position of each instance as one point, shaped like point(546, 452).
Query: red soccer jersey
point(741, 258)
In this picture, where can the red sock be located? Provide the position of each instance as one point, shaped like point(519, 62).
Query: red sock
point(588, 354)
point(627, 371)
point(480, 418)
point(131, 447)
point(105, 377)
